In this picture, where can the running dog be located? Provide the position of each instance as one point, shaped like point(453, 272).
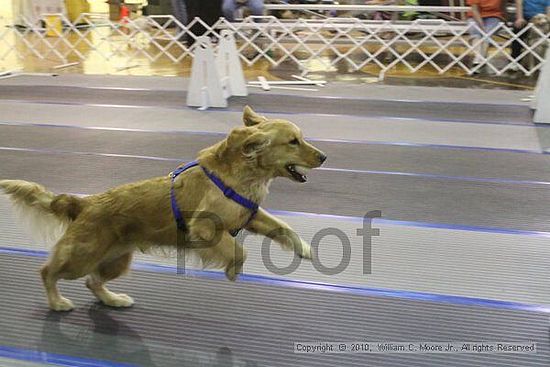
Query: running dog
point(197, 208)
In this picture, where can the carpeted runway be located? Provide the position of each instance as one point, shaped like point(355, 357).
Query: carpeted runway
point(457, 111)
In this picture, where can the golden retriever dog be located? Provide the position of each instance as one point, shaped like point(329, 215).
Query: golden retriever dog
point(96, 235)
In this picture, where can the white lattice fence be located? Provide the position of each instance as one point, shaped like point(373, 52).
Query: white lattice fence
point(351, 43)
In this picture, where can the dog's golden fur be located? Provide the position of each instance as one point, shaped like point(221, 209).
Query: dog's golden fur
point(99, 233)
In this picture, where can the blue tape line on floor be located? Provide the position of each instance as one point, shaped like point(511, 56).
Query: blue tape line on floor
point(41, 357)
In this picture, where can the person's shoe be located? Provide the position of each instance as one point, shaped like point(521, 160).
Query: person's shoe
point(475, 64)
point(477, 67)
point(477, 61)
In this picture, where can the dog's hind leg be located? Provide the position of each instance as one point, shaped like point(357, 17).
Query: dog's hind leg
point(109, 271)
point(56, 301)
point(68, 261)
point(227, 254)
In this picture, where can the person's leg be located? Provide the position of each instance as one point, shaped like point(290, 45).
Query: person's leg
point(208, 11)
point(192, 8)
point(228, 9)
point(256, 7)
point(517, 46)
point(212, 10)
point(491, 25)
point(180, 11)
point(475, 35)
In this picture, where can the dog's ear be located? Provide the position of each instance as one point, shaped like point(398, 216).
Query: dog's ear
point(255, 143)
point(251, 118)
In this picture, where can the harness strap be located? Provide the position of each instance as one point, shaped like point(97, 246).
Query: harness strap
point(180, 222)
point(230, 193)
point(226, 190)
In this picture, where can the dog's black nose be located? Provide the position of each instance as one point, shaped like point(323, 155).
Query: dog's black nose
point(322, 158)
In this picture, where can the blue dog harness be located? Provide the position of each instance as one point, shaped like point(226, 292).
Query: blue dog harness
point(227, 191)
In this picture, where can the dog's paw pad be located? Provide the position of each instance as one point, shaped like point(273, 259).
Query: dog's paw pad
point(62, 304)
point(120, 300)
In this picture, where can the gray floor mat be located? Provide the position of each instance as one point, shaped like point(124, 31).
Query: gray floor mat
point(342, 193)
point(459, 112)
point(332, 89)
point(179, 321)
point(373, 157)
point(319, 126)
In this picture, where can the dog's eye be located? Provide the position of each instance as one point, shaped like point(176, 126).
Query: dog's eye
point(294, 141)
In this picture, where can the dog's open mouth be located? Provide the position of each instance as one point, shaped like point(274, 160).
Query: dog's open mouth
point(298, 173)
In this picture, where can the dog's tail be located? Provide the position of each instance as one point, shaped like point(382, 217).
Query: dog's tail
point(46, 214)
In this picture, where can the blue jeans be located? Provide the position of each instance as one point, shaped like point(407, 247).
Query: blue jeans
point(230, 6)
point(488, 23)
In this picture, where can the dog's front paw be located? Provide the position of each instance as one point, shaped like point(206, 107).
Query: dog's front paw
point(232, 271)
point(304, 251)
